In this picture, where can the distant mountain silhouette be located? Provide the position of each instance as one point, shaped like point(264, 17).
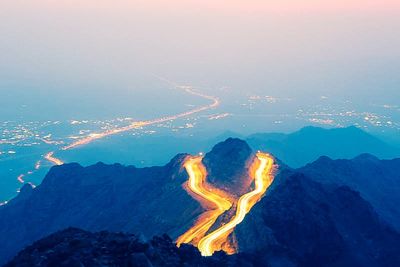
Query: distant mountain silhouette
point(378, 181)
point(295, 149)
point(310, 143)
point(305, 219)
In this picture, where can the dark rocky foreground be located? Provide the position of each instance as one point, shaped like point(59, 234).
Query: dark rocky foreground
point(75, 247)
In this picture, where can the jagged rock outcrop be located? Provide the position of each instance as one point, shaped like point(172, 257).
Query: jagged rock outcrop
point(76, 247)
point(228, 166)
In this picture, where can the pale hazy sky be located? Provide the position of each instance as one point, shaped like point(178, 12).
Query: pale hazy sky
point(303, 47)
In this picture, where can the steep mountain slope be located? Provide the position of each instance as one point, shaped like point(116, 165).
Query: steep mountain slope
point(313, 224)
point(378, 181)
point(149, 201)
point(299, 223)
point(308, 144)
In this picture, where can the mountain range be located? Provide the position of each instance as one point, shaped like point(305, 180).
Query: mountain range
point(327, 213)
point(295, 149)
point(309, 143)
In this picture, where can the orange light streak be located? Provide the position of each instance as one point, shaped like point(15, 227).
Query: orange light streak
point(263, 178)
point(49, 156)
point(37, 165)
point(21, 178)
point(135, 125)
point(210, 198)
point(138, 124)
point(261, 170)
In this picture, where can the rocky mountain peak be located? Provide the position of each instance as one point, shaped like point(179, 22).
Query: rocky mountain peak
point(227, 165)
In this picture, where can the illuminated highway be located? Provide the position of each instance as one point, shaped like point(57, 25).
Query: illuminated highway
point(135, 125)
point(261, 170)
point(216, 201)
point(38, 164)
point(20, 178)
point(214, 102)
point(49, 156)
point(263, 178)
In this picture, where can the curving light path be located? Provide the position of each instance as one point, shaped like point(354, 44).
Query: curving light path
point(49, 156)
point(215, 200)
point(261, 171)
point(214, 102)
point(135, 125)
point(263, 178)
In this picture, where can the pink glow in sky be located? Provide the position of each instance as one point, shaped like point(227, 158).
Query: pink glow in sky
point(286, 46)
point(241, 6)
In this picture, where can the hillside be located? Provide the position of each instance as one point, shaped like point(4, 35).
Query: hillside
point(304, 219)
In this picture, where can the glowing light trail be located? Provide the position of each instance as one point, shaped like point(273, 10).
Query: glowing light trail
point(263, 179)
point(135, 125)
point(49, 156)
point(37, 165)
point(20, 178)
point(210, 198)
point(261, 171)
point(138, 124)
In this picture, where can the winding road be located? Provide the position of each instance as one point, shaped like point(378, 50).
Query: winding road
point(262, 180)
point(261, 170)
point(49, 156)
point(214, 102)
point(213, 199)
point(135, 125)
